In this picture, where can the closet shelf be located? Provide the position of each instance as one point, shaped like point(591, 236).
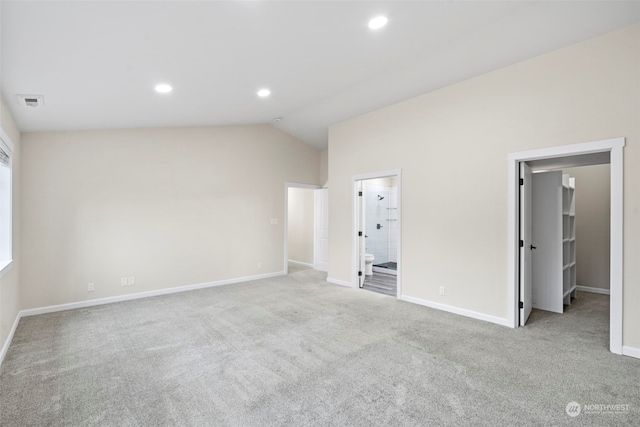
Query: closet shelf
point(572, 289)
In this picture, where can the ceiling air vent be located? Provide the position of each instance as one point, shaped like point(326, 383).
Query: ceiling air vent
point(33, 101)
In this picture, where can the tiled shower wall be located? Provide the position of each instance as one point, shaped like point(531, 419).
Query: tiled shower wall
point(381, 242)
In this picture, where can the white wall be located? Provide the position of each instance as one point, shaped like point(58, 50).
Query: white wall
point(170, 207)
point(452, 146)
point(9, 283)
point(593, 220)
point(300, 222)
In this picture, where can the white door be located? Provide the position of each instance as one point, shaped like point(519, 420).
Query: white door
point(546, 220)
point(361, 211)
point(321, 252)
point(526, 246)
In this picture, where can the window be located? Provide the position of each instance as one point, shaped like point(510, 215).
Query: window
point(6, 150)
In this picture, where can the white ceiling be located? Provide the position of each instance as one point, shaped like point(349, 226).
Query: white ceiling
point(96, 63)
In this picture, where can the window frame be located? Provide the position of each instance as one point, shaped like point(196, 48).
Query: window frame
point(6, 208)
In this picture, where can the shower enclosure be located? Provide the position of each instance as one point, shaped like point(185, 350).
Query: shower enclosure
point(381, 208)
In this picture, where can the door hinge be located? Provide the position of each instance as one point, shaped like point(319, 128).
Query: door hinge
point(359, 233)
point(522, 243)
point(521, 181)
point(521, 304)
point(359, 193)
point(359, 273)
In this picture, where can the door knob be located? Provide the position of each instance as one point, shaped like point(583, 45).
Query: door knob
point(533, 247)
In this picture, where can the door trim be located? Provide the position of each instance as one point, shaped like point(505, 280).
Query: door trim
point(288, 185)
point(392, 173)
point(317, 236)
point(615, 148)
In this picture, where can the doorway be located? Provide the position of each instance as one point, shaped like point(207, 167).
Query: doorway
point(377, 233)
point(591, 153)
point(300, 227)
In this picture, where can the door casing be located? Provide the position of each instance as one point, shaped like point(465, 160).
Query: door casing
point(321, 216)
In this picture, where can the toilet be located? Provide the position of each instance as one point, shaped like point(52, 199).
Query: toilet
point(368, 264)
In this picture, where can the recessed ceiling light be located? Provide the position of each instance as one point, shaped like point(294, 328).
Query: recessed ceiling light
point(163, 88)
point(378, 22)
point(262, 93)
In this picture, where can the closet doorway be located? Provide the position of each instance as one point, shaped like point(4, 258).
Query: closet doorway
point(521, 247)
point(377, 232)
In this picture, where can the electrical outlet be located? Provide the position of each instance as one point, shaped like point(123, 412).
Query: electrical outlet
point(90, 287)
point(132, 281)
point(259, 265)
point(123, 281)
point(441, 290)
point(274, 221)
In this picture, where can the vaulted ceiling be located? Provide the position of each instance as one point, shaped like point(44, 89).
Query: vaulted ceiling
point(96, 62)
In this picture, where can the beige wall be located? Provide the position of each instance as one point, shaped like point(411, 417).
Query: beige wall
point(593, 219)
point(170, 207)
point(452, 147)
point(9, 284)
point(324, 168)
point(300, 222)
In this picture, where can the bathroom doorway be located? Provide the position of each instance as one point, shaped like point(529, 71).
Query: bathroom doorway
point(377, 198)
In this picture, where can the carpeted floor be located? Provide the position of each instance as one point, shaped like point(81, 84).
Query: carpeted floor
point(296, 351)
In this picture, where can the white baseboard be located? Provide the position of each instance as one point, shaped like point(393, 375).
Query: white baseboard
point(7, 342)
point(304, 264)
point(631, 351)
point(138, 295)
point(456, 310)
point(593, 290)
point(339, 282)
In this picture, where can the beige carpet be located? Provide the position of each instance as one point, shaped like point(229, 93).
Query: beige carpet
point(296, 351)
